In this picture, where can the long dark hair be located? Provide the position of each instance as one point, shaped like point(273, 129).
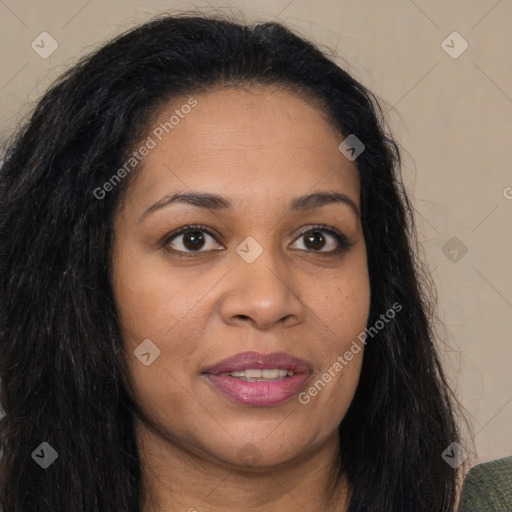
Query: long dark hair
point(62, 369)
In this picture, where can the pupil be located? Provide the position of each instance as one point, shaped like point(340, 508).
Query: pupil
point(193, 240)
point(313, 239)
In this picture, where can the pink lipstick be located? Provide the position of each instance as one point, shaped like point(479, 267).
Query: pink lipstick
point(259, 380)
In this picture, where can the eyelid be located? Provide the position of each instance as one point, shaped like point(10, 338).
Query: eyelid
point(343, 241)
point(190, 227)
point(323, 227)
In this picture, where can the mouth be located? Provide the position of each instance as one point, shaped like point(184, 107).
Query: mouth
point(256, 375)
point(259, 380)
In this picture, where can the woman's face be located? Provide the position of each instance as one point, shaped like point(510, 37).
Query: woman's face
point(257, 276)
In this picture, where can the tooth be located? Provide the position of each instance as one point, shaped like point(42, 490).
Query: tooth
point(253, 373)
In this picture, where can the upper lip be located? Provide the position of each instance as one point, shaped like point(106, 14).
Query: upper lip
point(255, 360)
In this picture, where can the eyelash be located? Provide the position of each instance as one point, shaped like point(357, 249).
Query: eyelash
point(344, 244)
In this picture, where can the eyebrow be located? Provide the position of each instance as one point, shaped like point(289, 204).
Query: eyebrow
point(215, 202)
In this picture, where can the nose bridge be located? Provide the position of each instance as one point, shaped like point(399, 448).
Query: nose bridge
point(261, 287)
point(260, 266)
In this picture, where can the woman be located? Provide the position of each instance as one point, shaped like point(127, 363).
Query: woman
point(209, 292)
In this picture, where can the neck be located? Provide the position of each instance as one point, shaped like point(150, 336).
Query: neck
point(175, 479)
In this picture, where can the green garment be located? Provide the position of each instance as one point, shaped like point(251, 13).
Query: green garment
point(488, 487)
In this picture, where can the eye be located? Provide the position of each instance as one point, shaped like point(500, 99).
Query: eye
point(314, 240)
point(191, 239)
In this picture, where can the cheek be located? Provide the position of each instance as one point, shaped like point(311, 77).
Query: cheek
point(343, 308)
point(152, 315)
point(152, 306)
point(151, 301)
point(343, 303)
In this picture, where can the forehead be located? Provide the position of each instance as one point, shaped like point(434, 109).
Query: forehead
point(243, 142)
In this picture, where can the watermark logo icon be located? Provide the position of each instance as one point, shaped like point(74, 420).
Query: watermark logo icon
point(351, 147)
point(454, 249)
point(507, 193)
point(454, 45)
point(44, 45)
point(249, 454)
point(44, 455)
point(147, 352)
point(249, 249)
point(454, 455)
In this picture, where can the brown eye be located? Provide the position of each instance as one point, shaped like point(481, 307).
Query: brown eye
point(191, 239)
point(324, 240)
point(314, 240)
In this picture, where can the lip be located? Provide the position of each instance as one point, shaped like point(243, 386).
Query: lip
point(258, 361)
point(259, 393)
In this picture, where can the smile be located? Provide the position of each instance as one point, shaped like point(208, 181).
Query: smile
point(259, 380)
point(254, 375)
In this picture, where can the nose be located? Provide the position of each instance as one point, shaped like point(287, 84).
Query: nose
point(264, 293)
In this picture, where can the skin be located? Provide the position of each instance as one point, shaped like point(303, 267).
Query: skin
point(259, 148)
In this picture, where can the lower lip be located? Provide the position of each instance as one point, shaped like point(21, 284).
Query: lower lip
point(259, 393)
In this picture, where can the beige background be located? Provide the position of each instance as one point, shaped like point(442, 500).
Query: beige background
point(451, 117)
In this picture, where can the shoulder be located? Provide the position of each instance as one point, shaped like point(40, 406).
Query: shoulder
point(488, 487)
